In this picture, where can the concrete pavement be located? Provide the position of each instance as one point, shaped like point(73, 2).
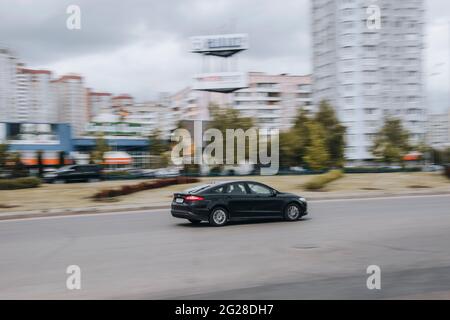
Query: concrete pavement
point(150, 255)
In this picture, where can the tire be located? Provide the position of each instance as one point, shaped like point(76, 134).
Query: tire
point(218, 217)
point(292, 212)
point(193, 221)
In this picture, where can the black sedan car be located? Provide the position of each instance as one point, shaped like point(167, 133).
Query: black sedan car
point(221, 202)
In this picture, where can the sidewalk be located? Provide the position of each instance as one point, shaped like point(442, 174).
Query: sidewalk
point(311, 197)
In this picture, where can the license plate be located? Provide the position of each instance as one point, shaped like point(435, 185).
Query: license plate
point(179, 200)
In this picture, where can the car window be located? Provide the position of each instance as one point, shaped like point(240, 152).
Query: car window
point(218, 189)
point(236, 188)
point(259, 189)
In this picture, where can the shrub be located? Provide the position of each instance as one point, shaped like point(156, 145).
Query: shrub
point(320, 181)
point(129, 189)
point(447, 170)
point(19, 183)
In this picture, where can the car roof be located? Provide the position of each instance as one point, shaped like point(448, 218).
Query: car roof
point(219, 183)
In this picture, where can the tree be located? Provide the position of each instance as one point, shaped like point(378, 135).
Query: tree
point(391, 142)
point(62, 158)
point(229, 118)
point(289, 145)
point(101, 146)
point(317, 156)
point(301, 130)
point(3, 155)
point(158, 145)
point(159, 149)
point(334, 133)
point(40, 163)
point(18, 169)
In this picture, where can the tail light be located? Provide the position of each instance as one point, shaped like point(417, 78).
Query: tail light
point(193, 198)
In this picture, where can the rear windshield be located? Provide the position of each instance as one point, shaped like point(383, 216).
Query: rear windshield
point(197, 189)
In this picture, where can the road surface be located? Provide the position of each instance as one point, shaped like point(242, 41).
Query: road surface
point(150, 255)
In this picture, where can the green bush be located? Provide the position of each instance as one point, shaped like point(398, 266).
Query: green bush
point(19, 183)
point(320, 181)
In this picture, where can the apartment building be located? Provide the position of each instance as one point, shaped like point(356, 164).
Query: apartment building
point(438, 130)
point(98, 103)
point(122, 104)
point(34, 96)
point(8, 66)
point(71, 100)
point(366, 72)
point(273, 101)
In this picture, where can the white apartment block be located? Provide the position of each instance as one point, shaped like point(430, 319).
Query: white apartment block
point(98, 103)
point(122, 104)
point(8, 66)
point(366, 73)
point(71, 100)
point(438, 131)
point(273, 101)
point(34, 97)
point(154, 115)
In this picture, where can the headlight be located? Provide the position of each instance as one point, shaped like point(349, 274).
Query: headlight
point(302, 199)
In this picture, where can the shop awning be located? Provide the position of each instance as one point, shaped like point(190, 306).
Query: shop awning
point(117, 157)
point(413, 156)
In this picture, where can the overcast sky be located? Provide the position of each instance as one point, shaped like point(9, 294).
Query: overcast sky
point(141, 47)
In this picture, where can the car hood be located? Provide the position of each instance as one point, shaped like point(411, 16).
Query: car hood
point(287, 195)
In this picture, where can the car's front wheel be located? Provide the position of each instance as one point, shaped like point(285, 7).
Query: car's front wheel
point(218, 217)
point(292, 212)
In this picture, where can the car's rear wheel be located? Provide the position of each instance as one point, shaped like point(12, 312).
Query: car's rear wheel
point(193, 221)
point(218, 217)
point(292, 212)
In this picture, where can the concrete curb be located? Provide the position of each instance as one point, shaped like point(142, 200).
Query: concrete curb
point(111, 209)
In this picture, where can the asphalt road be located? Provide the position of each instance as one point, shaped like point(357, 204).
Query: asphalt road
point(150, 255)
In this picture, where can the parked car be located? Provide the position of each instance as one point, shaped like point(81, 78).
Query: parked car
point(85, 172)
point(237, 200)
point(432, 168)
point(298, 169)
point(167, 172)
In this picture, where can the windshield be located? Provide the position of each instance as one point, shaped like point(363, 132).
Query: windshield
point(65, 168)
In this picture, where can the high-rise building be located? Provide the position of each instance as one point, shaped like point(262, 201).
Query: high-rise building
point(98, 103)
point(122, 104)
point(8, 66)
point(273, 101)
point(71, 100)
point(34, 97)
point(368, 73)
point(438, 131)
